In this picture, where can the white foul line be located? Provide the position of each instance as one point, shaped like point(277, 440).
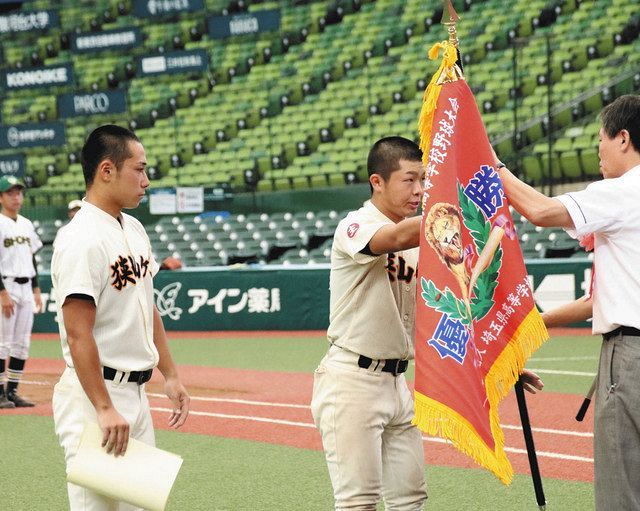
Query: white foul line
point(238, 401)
point(515, 450)
point(307, 407)
point(44, 383)
point(559, 359)
point(241, 417)
point(551, 431)
point(555, 455)
point(564, 373)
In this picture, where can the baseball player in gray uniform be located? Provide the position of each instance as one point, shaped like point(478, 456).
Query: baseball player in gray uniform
point(19, 291)
point(111, 332)
point(361, 403)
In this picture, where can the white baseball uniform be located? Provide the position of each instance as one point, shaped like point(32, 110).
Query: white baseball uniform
point(111, 262)
point(18, 243)
point(364, 413)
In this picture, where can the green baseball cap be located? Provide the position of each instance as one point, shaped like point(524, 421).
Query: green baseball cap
point(9, 182)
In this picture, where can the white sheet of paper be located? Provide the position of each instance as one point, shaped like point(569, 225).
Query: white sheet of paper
point(142, 477)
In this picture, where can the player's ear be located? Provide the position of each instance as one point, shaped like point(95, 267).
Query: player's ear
point(376, 182)
point(105, 170)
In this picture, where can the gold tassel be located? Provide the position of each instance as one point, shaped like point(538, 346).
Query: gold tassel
point(435, 418)
point(430, 99)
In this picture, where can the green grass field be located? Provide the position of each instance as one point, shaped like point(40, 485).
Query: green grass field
point(226, 474)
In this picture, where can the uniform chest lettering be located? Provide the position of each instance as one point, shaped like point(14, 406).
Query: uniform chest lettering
point(126, 270)
point(399, 269)
point(18, 240)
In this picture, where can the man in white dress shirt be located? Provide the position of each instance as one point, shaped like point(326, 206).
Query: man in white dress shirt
point(610, 210)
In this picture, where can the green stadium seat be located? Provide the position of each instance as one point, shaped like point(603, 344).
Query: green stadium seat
point(570, 163)
point(590, 162)
point(532, 168)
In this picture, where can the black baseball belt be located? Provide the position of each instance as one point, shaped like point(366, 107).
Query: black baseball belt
point(622, 330)
point(394, 366)
point(138, 377)
point(19, 280)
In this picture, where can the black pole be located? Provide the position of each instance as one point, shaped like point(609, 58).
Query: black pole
point(459, 60)
point(531, 449)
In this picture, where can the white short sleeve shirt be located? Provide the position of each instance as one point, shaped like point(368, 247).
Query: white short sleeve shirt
point(372, 303)
point(610, 209)
point(18, 243)
point(96, 255)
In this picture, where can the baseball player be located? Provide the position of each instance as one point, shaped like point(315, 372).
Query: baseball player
point(361, 403)
point(19, 290)
point(111, 332)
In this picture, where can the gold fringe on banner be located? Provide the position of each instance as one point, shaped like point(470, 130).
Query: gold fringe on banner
point(435, 418)
point(445, 73)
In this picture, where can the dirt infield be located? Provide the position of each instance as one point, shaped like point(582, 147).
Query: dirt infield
point(273, 407)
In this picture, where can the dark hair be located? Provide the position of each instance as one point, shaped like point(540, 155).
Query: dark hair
point(385, 155)
point(623, 114)
point(106, 142)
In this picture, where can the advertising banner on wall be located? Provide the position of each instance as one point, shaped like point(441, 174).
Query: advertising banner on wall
point(12, 165)
point(47, 76)
point(173, 62)
point(116, 39)
point(32, 135)
point(277, 298)
point(100, 102)
point(227, 299)
point(190, 199)
point(28, 21)
point(245, 23)
point(162, 201)
point(153, 8)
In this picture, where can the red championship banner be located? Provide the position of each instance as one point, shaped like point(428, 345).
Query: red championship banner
point(476, 320)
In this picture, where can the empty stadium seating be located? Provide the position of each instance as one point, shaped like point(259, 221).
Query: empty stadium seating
point(302, 105)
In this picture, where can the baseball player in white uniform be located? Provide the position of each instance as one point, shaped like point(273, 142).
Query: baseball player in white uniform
point(112, 335)
point(361, 403)
point(19, 291)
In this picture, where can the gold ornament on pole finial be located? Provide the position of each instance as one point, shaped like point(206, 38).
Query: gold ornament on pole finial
point(451, 71)
point(449, 19)
point(448, 71)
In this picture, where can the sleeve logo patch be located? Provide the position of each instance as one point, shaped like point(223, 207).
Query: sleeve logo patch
point(352, 230)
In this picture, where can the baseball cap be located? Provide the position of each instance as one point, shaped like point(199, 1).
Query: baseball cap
point(9, 182)
point(76, 203)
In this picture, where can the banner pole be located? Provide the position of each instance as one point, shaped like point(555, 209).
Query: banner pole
point(531, 449)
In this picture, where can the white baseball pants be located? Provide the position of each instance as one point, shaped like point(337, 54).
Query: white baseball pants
point(371, 447)
point(15, 334)
point(72, 408)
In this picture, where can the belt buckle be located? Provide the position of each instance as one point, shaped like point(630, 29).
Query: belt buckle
point(141, 377)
